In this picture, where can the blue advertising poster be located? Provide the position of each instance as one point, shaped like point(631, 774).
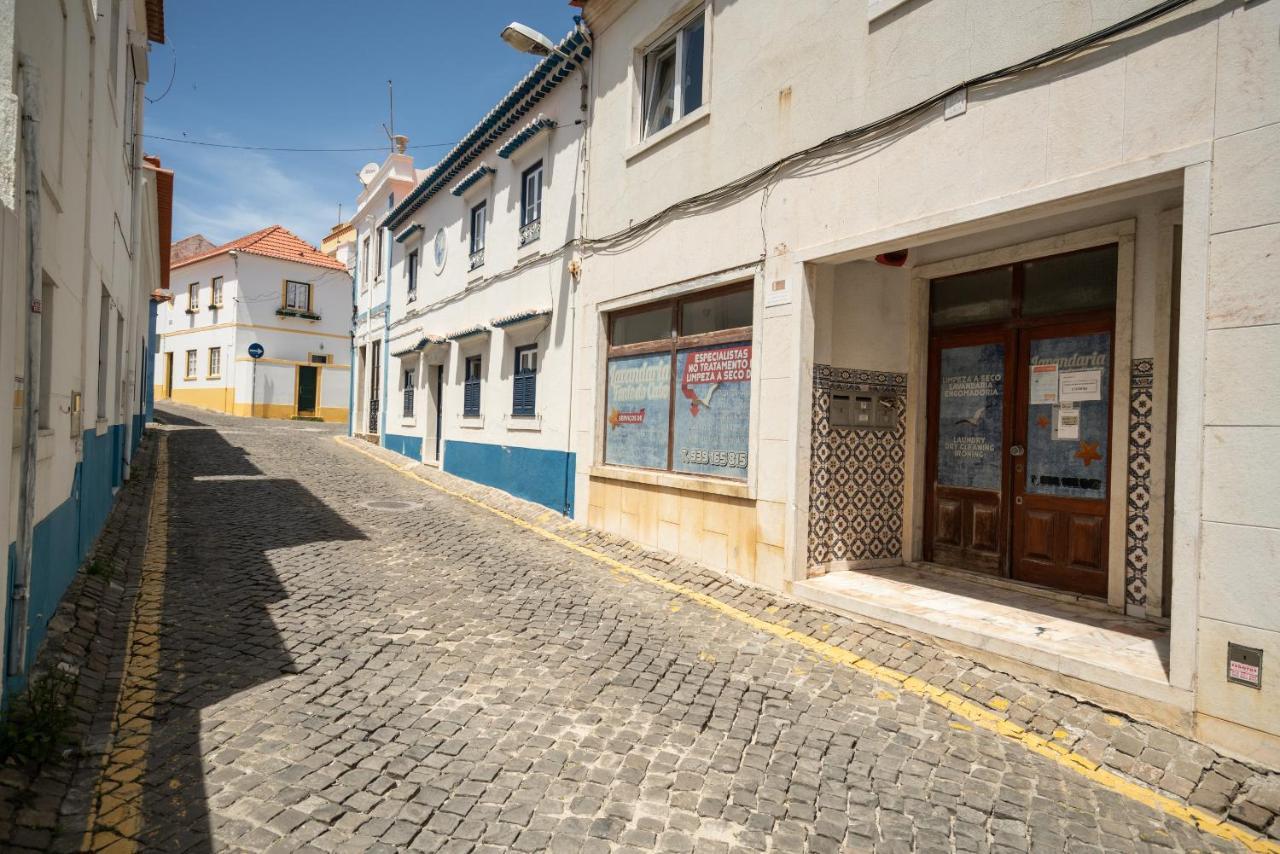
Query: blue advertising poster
point(638, 411)
point(971, 416)
point(1067, 437)
point(713, 410)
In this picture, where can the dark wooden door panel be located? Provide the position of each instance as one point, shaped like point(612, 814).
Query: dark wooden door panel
point(986, 534)
point(949, 523)
point(1038, 540)
point(1084, 542)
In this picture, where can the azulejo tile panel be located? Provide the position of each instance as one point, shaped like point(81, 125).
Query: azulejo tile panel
point(856, 477)
point(1138, 522)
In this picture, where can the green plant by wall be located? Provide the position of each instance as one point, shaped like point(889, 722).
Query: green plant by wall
point(36, 725)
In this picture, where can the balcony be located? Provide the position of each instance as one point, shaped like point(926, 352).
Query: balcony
point(477, 259)
point(285, 311)
point(530, 232)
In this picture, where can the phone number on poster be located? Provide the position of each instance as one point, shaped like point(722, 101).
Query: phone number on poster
point(729, 459)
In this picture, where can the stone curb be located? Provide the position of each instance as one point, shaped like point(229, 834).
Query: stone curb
point(1154, 758)
point(85, 639)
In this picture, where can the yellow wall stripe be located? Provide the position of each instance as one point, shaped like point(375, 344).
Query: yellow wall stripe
point(956, 704)
point(115, 814)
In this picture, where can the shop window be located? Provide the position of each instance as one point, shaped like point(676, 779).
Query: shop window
point(679, 384)
point(1078, 281)
point(673, 74)
point(471, 386)
point(1071, 283)
point(979, 297)
point(524, 385)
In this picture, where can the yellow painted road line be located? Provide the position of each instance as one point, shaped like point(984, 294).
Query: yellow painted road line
point(115, 816)
point(956, 704)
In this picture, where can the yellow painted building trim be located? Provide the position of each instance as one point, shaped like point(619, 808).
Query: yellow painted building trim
point(293, 363)
point(217, 399)
point(233, 325)
point(960, 706)
point(285, 411)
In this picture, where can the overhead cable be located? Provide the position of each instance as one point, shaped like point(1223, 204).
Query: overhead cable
point(846, 142)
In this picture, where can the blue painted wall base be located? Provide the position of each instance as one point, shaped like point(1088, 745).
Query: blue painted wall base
point(545, 477)
point(63, 538)
point(407, 446)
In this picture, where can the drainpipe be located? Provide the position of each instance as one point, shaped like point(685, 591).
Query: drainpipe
point(20, 597)
point(571, 474)
point(135, 169)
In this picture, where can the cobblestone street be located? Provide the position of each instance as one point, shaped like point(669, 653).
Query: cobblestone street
point(314, 668)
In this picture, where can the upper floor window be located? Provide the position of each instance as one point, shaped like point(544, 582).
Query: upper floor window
point(297, 296)
point(477, 235)
point(193, 297)
point(215, 298)
point(364, 264)
point(377, 259)
point(412, 266)
point(673, 75)
point(531, 204)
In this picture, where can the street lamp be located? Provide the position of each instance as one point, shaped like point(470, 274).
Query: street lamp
point(528, 40)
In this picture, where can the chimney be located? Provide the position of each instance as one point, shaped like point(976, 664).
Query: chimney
point(401, 142)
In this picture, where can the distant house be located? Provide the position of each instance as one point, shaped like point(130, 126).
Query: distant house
point(271, 288)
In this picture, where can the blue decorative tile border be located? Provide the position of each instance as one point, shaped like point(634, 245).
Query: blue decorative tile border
point(856, 477)
point(1138, 522)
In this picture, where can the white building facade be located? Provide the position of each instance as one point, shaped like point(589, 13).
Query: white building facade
point(385, 186)
point(272, 289)
point(481, 289)
point(852, 329)
point(74, 342)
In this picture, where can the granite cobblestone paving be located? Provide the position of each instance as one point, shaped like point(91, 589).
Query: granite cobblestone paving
point(339, 674)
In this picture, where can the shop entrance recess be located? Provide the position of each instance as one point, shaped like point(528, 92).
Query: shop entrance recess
point(1019, 442)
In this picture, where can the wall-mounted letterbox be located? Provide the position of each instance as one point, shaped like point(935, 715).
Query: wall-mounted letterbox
point(857, 410)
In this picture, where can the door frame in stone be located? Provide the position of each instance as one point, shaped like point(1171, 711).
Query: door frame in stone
point(1120, 233)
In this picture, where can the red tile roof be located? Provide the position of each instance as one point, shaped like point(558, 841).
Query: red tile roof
point(274, 241)
point(164, 213)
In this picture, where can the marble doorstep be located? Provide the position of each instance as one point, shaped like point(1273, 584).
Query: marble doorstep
point(1120, 653)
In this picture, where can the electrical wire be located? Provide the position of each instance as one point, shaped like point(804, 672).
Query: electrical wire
point(288, 149)
point(846, 142)
point(173, 73)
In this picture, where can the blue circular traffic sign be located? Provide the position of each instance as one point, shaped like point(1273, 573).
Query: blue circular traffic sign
point(255, 350)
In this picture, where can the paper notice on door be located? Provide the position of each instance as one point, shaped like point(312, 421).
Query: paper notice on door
point(1044, 384)
point(1077, 386)
point(1066, 422)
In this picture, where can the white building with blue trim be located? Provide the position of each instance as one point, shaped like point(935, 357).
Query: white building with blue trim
point(384, 187)
point(74, 313)
point(478, 360)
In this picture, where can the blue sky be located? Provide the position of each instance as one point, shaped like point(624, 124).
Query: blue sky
point(313, 74)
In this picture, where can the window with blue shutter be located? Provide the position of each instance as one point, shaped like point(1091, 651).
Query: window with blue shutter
point(408, 393)
point(524, 385)
point(471, 387)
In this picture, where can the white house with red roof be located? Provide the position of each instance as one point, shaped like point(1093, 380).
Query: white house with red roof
point(272, 289)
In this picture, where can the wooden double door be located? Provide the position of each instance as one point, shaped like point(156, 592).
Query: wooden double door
point(1019, 449)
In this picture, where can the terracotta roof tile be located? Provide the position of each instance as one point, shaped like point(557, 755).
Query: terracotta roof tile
point(274, 241)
